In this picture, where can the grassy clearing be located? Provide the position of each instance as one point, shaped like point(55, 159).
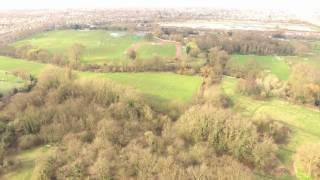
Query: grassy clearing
point(303, 121)
point(27, 163)
point(160, 88)
point(100, 46)
point(11, 64)
point(9, 82)
point(274, 64)
point(311, 60)
point(164, 50)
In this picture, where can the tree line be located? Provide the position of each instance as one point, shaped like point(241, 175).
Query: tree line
point(233, 42)
point(74, 54)
point(302, 87)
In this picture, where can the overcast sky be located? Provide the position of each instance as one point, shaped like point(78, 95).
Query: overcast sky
point(292, 5)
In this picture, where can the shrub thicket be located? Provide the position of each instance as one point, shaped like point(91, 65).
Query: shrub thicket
point(106, 131)
point(307, 160)
point(228, 134)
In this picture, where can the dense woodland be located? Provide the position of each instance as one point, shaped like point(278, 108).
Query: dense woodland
point(245, 43)
point(236, 42)
point(118, 136)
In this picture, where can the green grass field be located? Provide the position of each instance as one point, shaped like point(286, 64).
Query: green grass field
point(11, 64)
point(9, 82)
point(311, 60)
point(303, 121)
point(147, 50)
point(274, 64)
point(27, 162)
point(160, 88)
point(100, 46)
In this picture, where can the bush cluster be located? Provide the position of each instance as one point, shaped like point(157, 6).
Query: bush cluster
point(228, 134)
point(105, 131)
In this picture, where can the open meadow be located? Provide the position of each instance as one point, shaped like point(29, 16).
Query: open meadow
point(159, 87)
point(8, 65)
point(100, 46)
point(274, 64)
point(9, 82)
point(162, 50)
